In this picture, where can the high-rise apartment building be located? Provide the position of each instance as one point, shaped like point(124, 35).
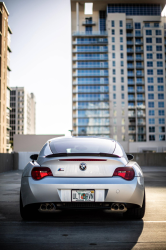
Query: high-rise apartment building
point(23, 113)
point(5, 50)
point(118, 71)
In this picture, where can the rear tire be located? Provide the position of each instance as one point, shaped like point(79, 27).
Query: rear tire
point(28, 212)
point(136, 213)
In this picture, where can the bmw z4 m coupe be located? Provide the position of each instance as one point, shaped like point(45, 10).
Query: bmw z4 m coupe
point(81, 173)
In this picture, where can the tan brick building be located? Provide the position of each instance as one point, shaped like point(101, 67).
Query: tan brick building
point(5, 50)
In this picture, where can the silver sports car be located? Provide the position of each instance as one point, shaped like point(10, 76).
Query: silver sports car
point(81, 173)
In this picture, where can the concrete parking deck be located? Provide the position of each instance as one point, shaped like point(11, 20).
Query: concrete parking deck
point(84, 229)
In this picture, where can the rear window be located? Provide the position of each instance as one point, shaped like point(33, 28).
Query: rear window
point(82, 145)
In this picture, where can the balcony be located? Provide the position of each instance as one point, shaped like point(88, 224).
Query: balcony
point(88, 23)
point(138, 35)
point(139, 51)
point(129, 27)
point(130, 58)
point(131, 106)
point(99, 58)
point(140, 106)
point(131, 115)
point(129, 43)
point(139, 74)
point(140, 58)
point(130, 74)
point(90, 42)
point(132, 131)
point(130, 66)
point(90, 91)
point(140, 83)
point(90, 33)
point(140, 115)
point(140, 98)
point(86, 74)
point(139, 67)
point(141, 123)
point(140, 90)
point(131, 90)
point(129, 35)
point(90, 50)
point(131, 83)
point(131, 98)
point(138, 43)
point(92, 66)
point(130, 51)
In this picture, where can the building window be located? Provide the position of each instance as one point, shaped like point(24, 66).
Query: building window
point(148, 40)
point(122, 87)
point(113, 32)
point(161, 104)
point(161, 129)
point(114, 103)
point(160, 88)
point(112, 23)
point(121, 55)
point(151, 137)
point(113, 39)
point(158, 33)
point(160, 96)
point(113, 63)
point(160, 64)
point(158, 40)
point(137, 33)
point(161, 137)
point(147, 25)
point(113, 47)
point(158, 48)
point(121, 47)
point(149, 48)
point(114, 88)
point(149, 56)
point(151, 113)
point(150, 88)
point(160, 80)
point(161, 112)
point(150, 71)
point(159, 56)
point(150, 96)
point(151, 121)
point(148, 32)
point(121, 63)
point(114, 96)
point(121, 39)
point(114, 79)
point(151, 129)
point(120, 23)
point(121, 32)
point(114, 72)
point(137, 25)
point(122, 96)
point(159, 72)
point(161, 120)
point(156, 25)
point(150, 79)
point(122, 79)
point(113, 55)
point(149, 64)
point(123, 121)
point(151, 104)
point(122, 71)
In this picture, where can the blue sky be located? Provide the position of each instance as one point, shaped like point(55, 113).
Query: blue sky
point(41, 59)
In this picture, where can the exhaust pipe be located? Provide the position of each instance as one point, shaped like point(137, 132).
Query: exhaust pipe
point(43, 207)
point(115, 206)
point(121, 207)
point(47, 207)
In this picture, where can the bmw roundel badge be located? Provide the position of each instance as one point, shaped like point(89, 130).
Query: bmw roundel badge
point(83, 166)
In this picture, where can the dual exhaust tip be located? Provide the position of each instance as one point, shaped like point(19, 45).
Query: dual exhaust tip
point(47, 207)
point(118, 207)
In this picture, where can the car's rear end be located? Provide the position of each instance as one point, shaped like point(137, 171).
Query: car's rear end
point(82, 173)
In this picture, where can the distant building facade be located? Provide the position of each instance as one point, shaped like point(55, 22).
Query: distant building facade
point(23, 113)
point(118, 71)
point(5, 50)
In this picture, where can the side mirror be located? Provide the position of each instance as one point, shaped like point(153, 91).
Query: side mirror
point(130, 157)
point(34, 157)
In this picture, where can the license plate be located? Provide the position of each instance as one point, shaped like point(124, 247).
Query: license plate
point(83, 195)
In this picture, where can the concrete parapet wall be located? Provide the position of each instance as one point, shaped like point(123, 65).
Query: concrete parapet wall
point(150, 159)
point(8, 162)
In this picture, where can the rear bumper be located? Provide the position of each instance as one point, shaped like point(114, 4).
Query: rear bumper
point(53, 189)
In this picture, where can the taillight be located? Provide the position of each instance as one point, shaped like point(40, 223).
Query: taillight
point(126, 173)
point(40, 172)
